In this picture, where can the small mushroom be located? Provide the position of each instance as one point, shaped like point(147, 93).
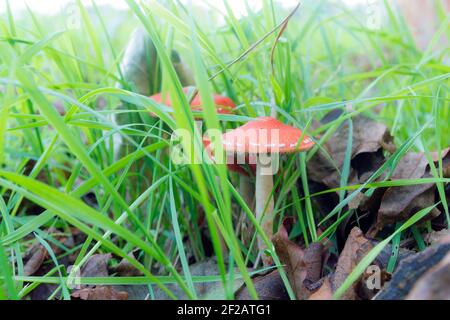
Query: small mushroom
point(262, 139)
point(224, 105)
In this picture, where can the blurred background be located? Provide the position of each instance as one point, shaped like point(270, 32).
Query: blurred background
point(420, 15)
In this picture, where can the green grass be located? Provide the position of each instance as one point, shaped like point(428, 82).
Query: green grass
point(326, 58)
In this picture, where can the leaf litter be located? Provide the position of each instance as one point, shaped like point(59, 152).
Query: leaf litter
point(313, 277)
point(317, 270)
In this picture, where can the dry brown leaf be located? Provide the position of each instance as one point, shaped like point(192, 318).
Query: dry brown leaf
point(268, 286)
point(411, 166)
point(205, 290)
point(291, 255)
point(414, 165)
point(100, 293)
point(434, 284)
point(358, 200)
point(325, 292)
point(446, 164)
point(35, 257)
point(399, 203)
point(313, 263)
point(37, 254)
point(126, 269)
point(303, 269)
point(356, 247)
point(96, 266)
point(368, 137)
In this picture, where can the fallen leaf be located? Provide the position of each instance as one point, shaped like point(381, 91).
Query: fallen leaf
point(415, 165)
point(126, 269)
point(135, 292)
point(291, 255)
point(313, 263)
point(268, 286)
point(434, 284)
point(356, 248)
point(399, 203)
point(100, 293)
point(96, 266)
point(368, 137)
point(411, 166)
point(211, 290)
point(325, 292)
point(446, 165)
point(36, 256)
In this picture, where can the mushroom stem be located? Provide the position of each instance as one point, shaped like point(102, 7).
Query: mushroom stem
point(246, 190)
point(263, 188)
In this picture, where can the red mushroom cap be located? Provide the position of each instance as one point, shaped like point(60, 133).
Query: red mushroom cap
point(265, 135)
point(234, 167)
point(224, 105)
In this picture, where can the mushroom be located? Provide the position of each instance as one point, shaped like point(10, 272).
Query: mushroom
point(224, 105)
point(262, 139)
